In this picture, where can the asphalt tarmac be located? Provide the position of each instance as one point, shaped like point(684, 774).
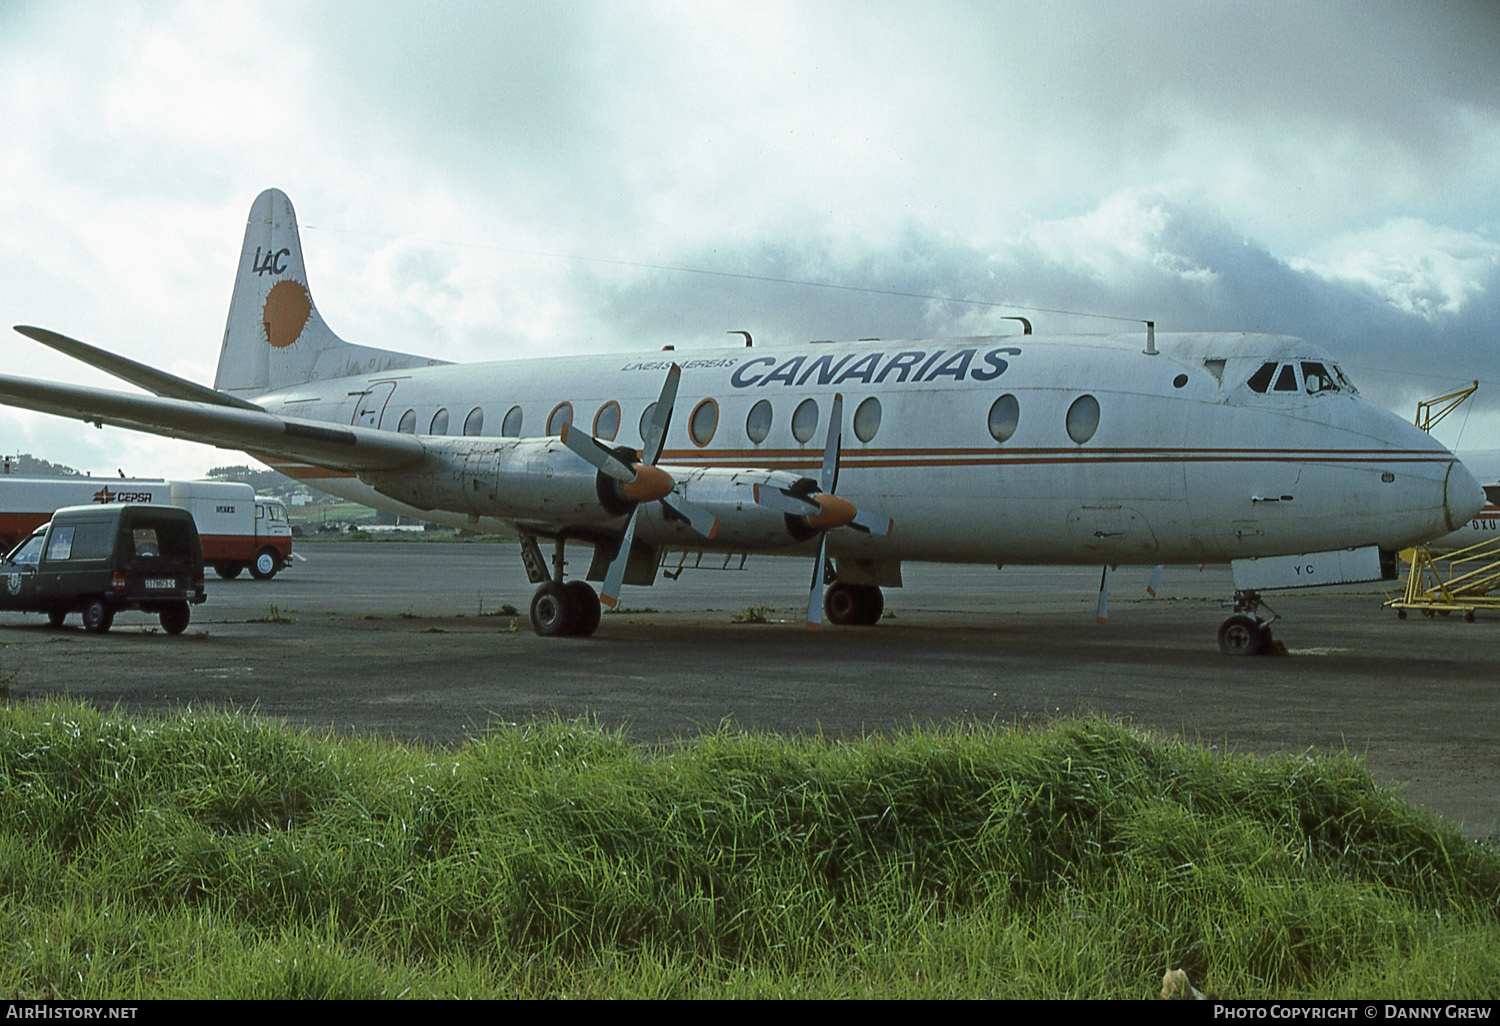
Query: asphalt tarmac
point(404, 640)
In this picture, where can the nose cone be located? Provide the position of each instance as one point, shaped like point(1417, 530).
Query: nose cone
point(1462, 496)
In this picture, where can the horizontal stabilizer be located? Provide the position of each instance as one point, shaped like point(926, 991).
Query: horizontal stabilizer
point(152, 380)
point(335, 446)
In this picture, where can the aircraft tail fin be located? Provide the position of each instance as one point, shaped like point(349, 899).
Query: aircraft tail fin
point(275, 338)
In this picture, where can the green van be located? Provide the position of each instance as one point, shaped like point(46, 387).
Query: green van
point(98, 560)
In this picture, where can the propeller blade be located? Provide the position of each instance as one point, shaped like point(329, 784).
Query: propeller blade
point(1103, 611)
point(828, 480)
point(698, 518)
point(815, 594)
point(615, 577)
point(1155, 581)
point(775, 498)
point(661, 416)
point(872, 523)
point(596, 455)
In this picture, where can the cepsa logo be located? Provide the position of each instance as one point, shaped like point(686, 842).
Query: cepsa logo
point(908, 366)
point(105, 495)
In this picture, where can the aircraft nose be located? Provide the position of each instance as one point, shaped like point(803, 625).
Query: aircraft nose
point(1463, 498)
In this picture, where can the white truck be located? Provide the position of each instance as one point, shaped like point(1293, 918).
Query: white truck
point(239, 529)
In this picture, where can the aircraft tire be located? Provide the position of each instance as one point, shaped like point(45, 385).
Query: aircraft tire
point(586, 611)
point(851, 605)
point(552, 610)
point(841, 604)
point(175, 617)
point(97, 617)
point(228, 571)
point(265, 564)
point(1240, 635)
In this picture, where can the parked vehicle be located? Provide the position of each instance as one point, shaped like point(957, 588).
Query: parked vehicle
point(99, 560)
point(238, 528)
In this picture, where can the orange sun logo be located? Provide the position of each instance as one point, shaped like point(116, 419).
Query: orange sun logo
point(285, 313)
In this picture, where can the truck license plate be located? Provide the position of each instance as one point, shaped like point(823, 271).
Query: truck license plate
point(160, 582)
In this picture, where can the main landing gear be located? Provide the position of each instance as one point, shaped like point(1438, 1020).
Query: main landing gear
point(1246, 633)
point(853, 604)
point(559, 609)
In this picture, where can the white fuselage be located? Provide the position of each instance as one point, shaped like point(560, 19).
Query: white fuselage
point(1187, 461)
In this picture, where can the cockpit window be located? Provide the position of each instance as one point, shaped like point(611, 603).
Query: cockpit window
point(1261, 379)
point(1317, 379)
point(1286, 381)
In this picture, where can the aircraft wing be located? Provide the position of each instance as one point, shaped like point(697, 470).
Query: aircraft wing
point(149, 378)
point(335, 446)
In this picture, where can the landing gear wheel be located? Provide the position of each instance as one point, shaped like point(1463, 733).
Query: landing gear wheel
point(55, 617)
point(267, 562)
point(853, 604)
point(552, 610)
point(585, 605)
point(175, 617)
point(1241, 635)
point(841, 604)
point(228, 571)
point(97, 617)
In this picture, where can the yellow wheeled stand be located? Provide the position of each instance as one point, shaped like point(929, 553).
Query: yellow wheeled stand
point(1455, 582)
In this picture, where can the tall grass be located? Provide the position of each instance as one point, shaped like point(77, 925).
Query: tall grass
point(209, 855)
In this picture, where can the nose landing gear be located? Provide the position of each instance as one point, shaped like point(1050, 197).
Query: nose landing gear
point(1246, 633)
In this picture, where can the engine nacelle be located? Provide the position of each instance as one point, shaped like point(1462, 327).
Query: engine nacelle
point(729, 494)
point(541, 481)
point(522, 479)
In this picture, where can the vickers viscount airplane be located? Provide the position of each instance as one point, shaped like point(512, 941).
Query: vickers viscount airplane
point(1179, 448)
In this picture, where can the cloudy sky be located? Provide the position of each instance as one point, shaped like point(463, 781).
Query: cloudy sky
point(489, 180)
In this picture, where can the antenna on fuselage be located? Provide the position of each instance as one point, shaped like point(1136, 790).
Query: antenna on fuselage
point(1025, 324)
point(745, 333)
point(1150, 349)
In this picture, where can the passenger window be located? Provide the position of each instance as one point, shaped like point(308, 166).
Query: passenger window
point(1083, 418)
point(510, 427)
point(561, 414)
point(474, 422)
point(1286, 381)
point(1316, 379)
point(1005, 414)
point(60, 545)
point(758, 424)
point(1261, 379)
point(408, 423)
point(607, 421)
point(867, 419)
point(805, 420)
point(704, 422)
point(439, 423)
